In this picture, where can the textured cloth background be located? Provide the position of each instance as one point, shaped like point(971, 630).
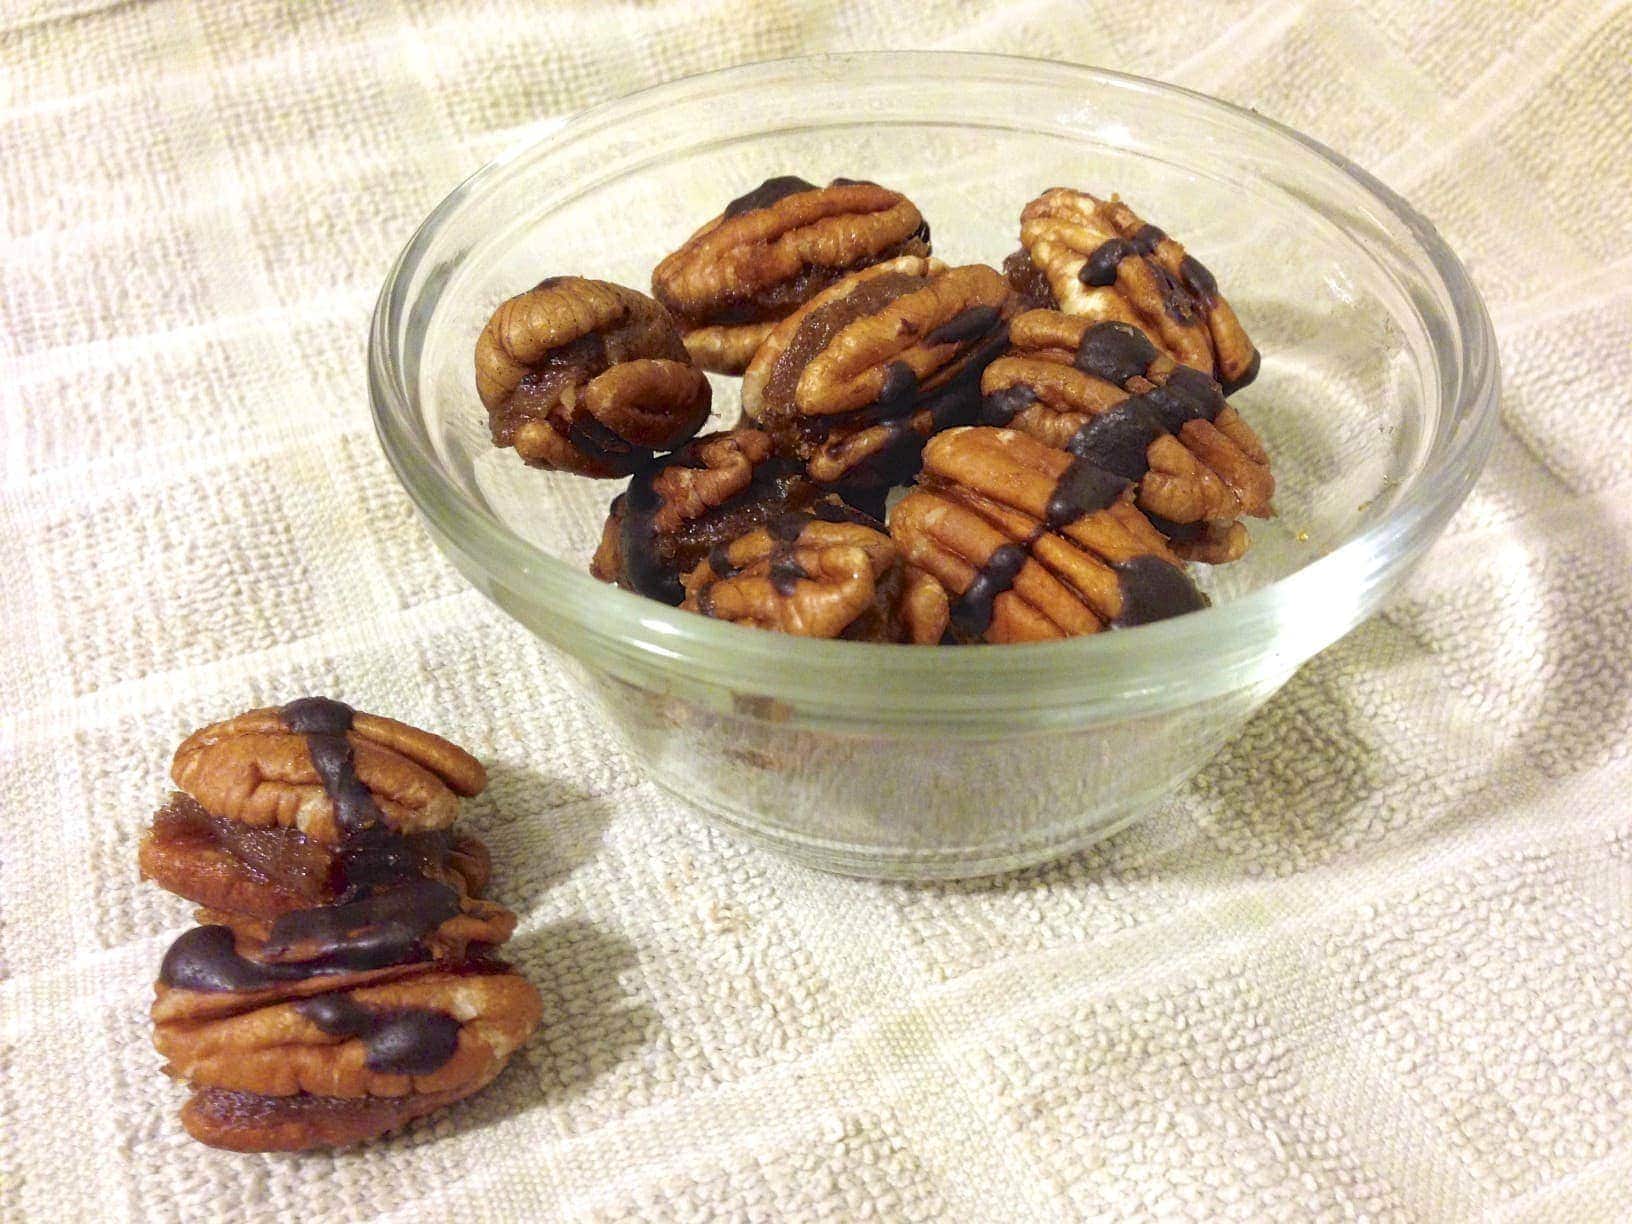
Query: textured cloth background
point(1376, 962)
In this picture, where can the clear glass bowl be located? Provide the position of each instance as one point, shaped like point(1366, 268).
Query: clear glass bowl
point(1376, 400)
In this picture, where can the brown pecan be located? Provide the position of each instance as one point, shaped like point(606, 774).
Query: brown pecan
point(589, 377)
point(343, 1065)
point(772, 250)
point(1106, 394)
point(813, 577)
point(708, 493)
point(297, 806)
point(260, 769)
point(1033, 544)
point(1096, 258)
point(855, 380)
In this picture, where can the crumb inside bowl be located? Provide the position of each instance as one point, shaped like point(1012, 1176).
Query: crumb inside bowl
point(1376, 399)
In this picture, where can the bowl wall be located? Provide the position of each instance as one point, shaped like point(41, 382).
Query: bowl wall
point(1374, 401)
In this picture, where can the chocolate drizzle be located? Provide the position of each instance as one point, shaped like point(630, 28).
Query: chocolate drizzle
point(1083, 488)
point(384, 928)
point(1100, 268)
point(1153, 590)
point(1001, 407)
point(206, 959)
point(912, 416)
point(966, 325)
point(372, 855)
point(1116, 352)
point(401, 1041)
point(1198, 280)
point(768, 193)
point(1147, 238)
point(971, 613)
point(1119, 439)
point(324, 723)
point(643, 567)
point(786, 572)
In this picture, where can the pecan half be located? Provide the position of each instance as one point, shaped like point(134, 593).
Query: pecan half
point(855, 380)
point(589, 377)
point(814, 577)
point(1096, 258)
point(1033, 544)
point(1106, 394)
point(703, 496)
point(343, 1065)
point(297, 806)
point(772, 250)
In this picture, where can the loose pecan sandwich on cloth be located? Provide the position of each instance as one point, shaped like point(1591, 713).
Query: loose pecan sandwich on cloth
point(927, 453)
point(343, 980)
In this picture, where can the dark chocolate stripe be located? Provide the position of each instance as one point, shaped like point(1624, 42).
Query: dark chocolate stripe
point(1147, 238)
point(384, 928)
point(1001, 407)
point(971, 613)
point(1153, 590)
point(206, 959)
point(1083, 488)
point(768, 193)
point(966, 325)
point(785, 571)
point(1115, 352)
point(1198, 280)
point(324, 723)
point(1100, 269)
point(401, 1041)
point(1118, 439)
point(643, 567)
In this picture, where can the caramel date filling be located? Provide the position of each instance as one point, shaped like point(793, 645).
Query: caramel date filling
point(281, 856)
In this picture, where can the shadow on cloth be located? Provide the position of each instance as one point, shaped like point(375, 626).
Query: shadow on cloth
point(592, 1023)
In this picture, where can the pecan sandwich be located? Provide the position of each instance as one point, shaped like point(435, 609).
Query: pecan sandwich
point(853, 382)
point(1106, 394)
point(343, 980)
point(811, 577)
point(1034, 544)
point(589, 377)
point(285, 809)
point(1097, 259)
point(771, 251)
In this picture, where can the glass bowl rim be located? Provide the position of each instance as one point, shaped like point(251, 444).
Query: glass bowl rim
point(1186, 658)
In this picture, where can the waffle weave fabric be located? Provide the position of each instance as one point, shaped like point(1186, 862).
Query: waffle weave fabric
point(1374, 962)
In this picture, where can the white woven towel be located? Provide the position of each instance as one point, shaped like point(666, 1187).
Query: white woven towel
point(1376, 962)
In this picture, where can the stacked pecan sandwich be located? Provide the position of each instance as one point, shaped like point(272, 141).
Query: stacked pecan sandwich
point(341, 981)
point(1060, 427)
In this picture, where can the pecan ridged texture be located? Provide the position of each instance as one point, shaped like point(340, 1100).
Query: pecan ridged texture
point(307, 1069)
point(853, 382)
point(1032, 544)
point(1103, 392)
point(818, 577)
point(1098, 259)
point(258, 770)
point(588, 377)
point(773, 249)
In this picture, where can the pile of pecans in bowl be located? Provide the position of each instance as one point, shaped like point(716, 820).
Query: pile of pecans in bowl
point(1060, 427)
